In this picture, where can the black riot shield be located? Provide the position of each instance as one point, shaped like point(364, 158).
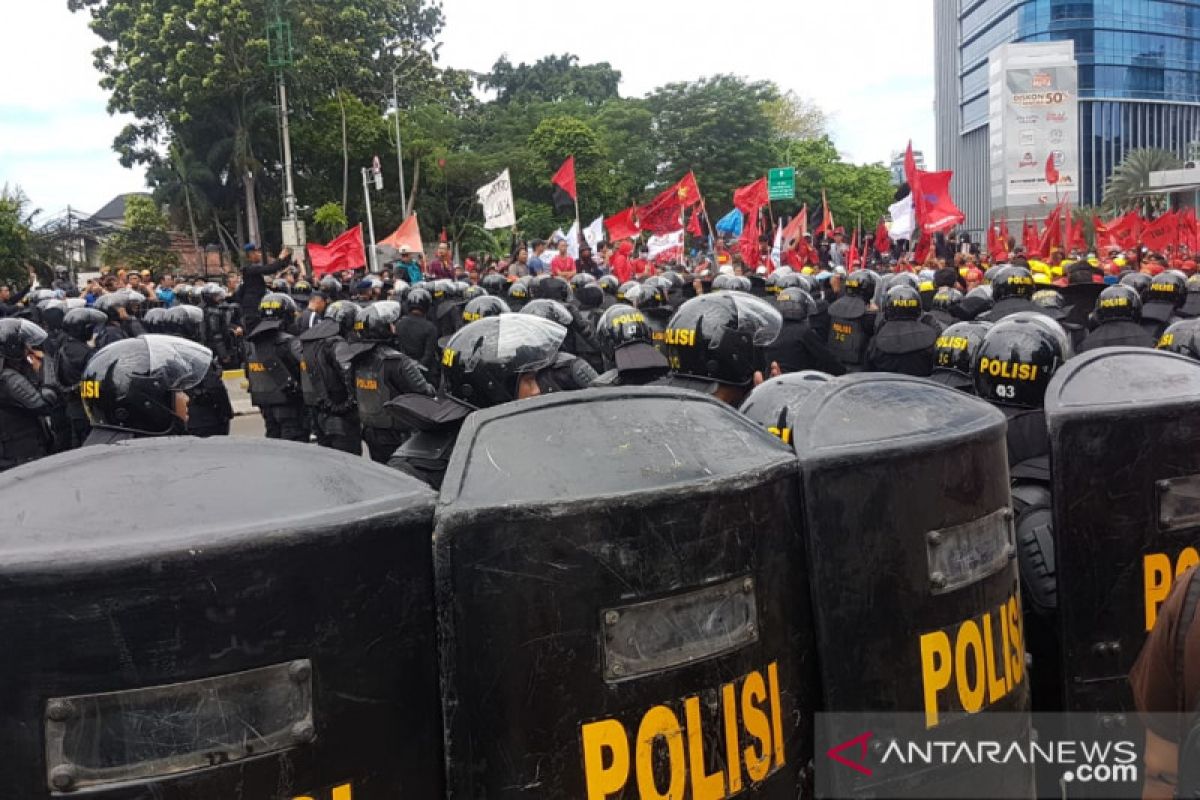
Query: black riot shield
point(914, 578)
point(217, 619)
point(1125, 457)
point(623, 604)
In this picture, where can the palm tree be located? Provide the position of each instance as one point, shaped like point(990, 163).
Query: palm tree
point(1132, 176)
point(234, 155)
point(186, 185)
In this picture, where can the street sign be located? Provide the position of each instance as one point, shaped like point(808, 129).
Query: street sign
point(781, 183)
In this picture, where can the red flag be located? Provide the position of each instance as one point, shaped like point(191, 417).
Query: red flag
point(751, 197)
point(1052, 234)
point(793, 232)
point(1126, 230)
point(694, 225)
point(1189, 229)
point(1051, 170)
point(883, 242)
point(748, 243)
point(921, 252)
point(1104, 239)
point(936, 210)
point(442, 236)
point(661, 215)
point(622, 225)
point(1030, 239)
point(1076, 237)
point(344, 252)
point(564, 185)
point(852, 253)
point(992, 245)
point(1161, 233)
point(826, 225)
point(910, 169)
point(407, 235)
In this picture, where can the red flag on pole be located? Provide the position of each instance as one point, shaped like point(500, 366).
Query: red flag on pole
point(794, 231)
point(407, 235)
point(622, 225)
point(751, 197)
point(936, 210)
point(883, 242)
point(661, 215)
point(852, 253)
point(564, 184)
point(826, 225)
point(1052, 234)
point(344, 252)
point(1004, 237)
point(992, 245)
point(1051, 170)
point(1030, 239)
point(748, 243)
point(1126, 231)
point(1161, 233)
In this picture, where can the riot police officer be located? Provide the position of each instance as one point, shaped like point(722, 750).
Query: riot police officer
point(580, 340)
point(492, 361)
point(138, 387)
point(902, 343)
point(627, 347)
point(852, 320)
point(273, 359)
point(954, 354)
point(219, 329)
point(772, 403)
point(380, 373)
point(79, 328)
point(518, 295)
point(716, 344)
point(416, 336)
point(1168, 291)
point(1012, 291)
point(1191, 304)
point(1180, 338)
point(209, 409)
point(976, 303)
point(943, 307)
point(27, 394)
point(325, 382)
point(609, 285)
point(798, 346)
point(112, 305)
point(1118, 314)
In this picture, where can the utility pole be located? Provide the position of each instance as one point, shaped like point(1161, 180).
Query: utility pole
point(279, 57)
point(372, 174)
point(399, 147)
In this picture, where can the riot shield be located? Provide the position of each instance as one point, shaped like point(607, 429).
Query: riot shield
point(1125, 459)
point(201, 619)
point(623, 605)
point(914, 577)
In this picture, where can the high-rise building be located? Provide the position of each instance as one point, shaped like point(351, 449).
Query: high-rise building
point(897, 165)
point(1138, 83)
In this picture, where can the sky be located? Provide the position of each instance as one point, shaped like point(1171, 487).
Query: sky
point(873, 77)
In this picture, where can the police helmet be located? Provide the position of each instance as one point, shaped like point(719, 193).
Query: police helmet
point(131, 384)
point(81, 323)
point(400, 290)
point(331, 287)
point(609, 284)
point(549, 309)
point(472, 292)
point(1119, 303)
point(887, 281)
point(277, 305)
point(1168, 287)
point(344, 313)
point(485, 306)
point(581, 279)
point(213, 294)
point(719, 337)
point(795, 304)
point(1008, 282)
point(494, 284)
point(420, 299)
point(861, 284)
point(185, 321)
point(671, 280)
point(954, 353)
point(743, 284)
point(302, 290)
point(779, 280)
point(1180, 337)
point(156, 320)
point(518, 295)
point(483, 362)
point(460, 288)
point(442, 290)
point(111, 304)
point(619, 325)
point(590, 296)
point(902, 302)
point(552, 288)
point(19, 335)
point(1139, 281)
point(947, 298)
point(772, 403)
point(725, 282)
point(646, 296)
point(622, 292)
point(52, 312)
point(39, 296)
point(374, 323)
point(1017, 359)
point(281, 286)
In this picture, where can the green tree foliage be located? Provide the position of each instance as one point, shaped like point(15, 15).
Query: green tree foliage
point(329, 220)
point(552, 79)
point(1132, 176)
point(144, 242)
point(15, 249)
point(855, 192)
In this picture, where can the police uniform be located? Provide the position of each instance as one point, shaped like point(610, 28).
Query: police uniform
point(380, 374)
point(326, 388)
point(851, 327)
point(209, 409)
point(417, 338)
point(273, 370)
point(23, 404)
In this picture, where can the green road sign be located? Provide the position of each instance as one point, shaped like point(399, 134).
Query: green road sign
point(781, 183)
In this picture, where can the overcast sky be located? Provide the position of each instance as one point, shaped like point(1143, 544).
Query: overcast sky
point(873, 76)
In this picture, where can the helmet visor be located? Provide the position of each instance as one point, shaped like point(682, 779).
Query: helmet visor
point(182, 363)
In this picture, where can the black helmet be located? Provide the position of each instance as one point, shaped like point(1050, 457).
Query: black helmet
point(609, 284)
point(374, 323)
point(185, 321)
point(400, 290)
point(954, 353)
point(81, 323)
point(779, 280)
point(419, 298)
point(1011, 282)
point(1180, 337)
point(902, 302)
point(442, 290)
point(624, 289)
point(184, 294)
point(590, 295)
point(482, 363)
point(331, 287)
point(518, 294)
point(155, 320)
point(772, 403)
point(795, 304)
point(1049, 299)
point(131, 384)
point(947, 298)
point(581, 279)
point(552, 288)
point(725, 282)
point(52, 313)
point(16, 335)
point(861, 283)
point(486, 306)
point(646, 295)
point(302, 290)
point(1017, 359)
point(621, 324)
point(1168, 287)
point(213, 294)
point(719, 337)
point(1119, 303)
point(277, 305)
point(281, 286)
point(472, 292)
point(1140, 283)
point(549, 309)
point(495, 284)
point(344, 313)
point(885, 282)
point(111, 304)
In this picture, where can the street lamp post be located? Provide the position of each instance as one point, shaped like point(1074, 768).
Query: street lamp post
point(399, 147)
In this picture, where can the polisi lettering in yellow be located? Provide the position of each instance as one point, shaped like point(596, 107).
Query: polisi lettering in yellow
point(784, 434)
point(448, 357)
point(680, 336)
point(952, 343)
point(89, 390)
point(471, 316)
point(367, 384)
point(742, 720)
point(843, 328)
point(1163, 288)
point(1010, 370)
point(271, 305)
point(257, 366)
point(1159, 571)
point(358, 325)
point(900, 302)
point(1019, 280)
point(925, 286)
point(342, 792)
point(626, 319)
point(1114, 302)
point(1166, 340)
point(983, 656)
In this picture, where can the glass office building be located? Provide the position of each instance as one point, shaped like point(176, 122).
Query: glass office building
point(1139, 81)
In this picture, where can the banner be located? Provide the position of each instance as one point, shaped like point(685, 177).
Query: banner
point(497, 201)
point(594, 234)
point(665, 246)
point(903, 219)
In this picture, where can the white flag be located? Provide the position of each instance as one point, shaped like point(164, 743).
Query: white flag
point(573, 240)
point(903, 220)
point(664, 245)
point(594, 234)
point(497, 201)
point(777, 249)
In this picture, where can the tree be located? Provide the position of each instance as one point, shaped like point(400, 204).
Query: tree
point(144, 242)
point(330, 220)
point(551, 79)
point(794, 119)
point(1132, 176)
point(15, 250)
point(854, 191)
